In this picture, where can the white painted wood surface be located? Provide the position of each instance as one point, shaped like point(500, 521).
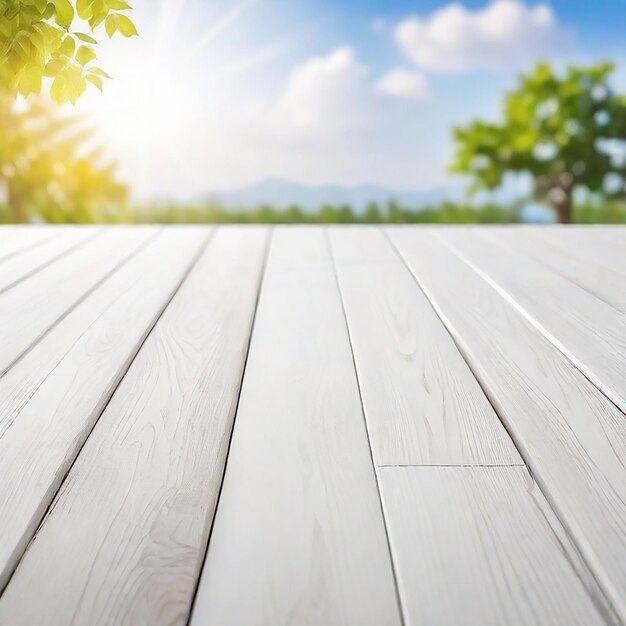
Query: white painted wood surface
point(589, 331)
point(51, 399)
point(300, 246)
point(33, 306)
point(299, 536)
point(124, 540)
point(589, 260)
point(422, 403)
point(360, 244)
point(479, 546)
point(15, 240)
point(572, 437)
point(593, 246)
point(18, 267)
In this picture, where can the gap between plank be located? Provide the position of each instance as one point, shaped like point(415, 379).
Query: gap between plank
point(232, 429)
point(133, 356)
point(49, 262)
point(455, 465)
point(367, 432)
point(543, 331)
point(28, 247)
point(603, 603)
point(81, 299)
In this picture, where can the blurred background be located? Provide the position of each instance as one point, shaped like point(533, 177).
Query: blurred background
point(338, 111)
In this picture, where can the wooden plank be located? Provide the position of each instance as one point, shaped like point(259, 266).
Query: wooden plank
point(591, 245)
point(422, 403)
point(15, 240)
point(300, 246)
point(586, 259)
point(35, 258)
point(123, 542)
point(570, 435)
point(31, 308)
point(299, 536)
point(479, 545)
point(360, 244)
point(51, 399)
point(589, 331)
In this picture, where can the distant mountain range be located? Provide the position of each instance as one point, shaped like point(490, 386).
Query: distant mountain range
point(283, 193)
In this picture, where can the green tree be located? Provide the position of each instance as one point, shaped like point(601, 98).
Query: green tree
point(41, 38)
point(558, 128)
point(372, 214)
point(47, 170)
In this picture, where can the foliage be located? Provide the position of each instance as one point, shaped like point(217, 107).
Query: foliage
point(47, 170)
point(599, 213)
point(41, 38)
point(392, 213)
point(558, 129)
point(212, 213)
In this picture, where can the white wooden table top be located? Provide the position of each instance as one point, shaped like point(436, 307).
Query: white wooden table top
point(246, 426)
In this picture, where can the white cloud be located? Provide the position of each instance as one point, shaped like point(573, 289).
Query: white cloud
point(403, 83)
point(323, 93)
point(503, 33)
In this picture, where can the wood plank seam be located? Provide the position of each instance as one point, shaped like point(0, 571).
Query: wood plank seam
point(51, 260)
point(606, 600)
point(81, 299)
point(402, 609)
point(268, 244)
point(540, 533)
point(422, 402)
point(598, 262)
point(136, 351)
point(453, 465)
point(28, 246)
point(535, 323)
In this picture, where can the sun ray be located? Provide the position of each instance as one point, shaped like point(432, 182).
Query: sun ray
point(226, 21)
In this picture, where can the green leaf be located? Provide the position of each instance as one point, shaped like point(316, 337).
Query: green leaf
point(98, 72)
point(85, 38)
point(83, 8)
point(125, 26)
point(64, 13)
point(110, 25)
point(85, 54)
point(40, 5)
point(49, 12)
point(53, 67)
point(67, 47)
point(30, 81)
point(118, 5)
point(94, 80)
point(58, 91)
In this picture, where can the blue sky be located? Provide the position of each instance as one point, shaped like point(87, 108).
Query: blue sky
point(218, 94)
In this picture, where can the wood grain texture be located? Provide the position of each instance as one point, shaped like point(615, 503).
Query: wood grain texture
point(422, 403)
point(571, 436)
point(51, 399)
point(360, 244)
point(589, 331)
point(35, 258)
point(593, 245)
point(33, 306)
point(124, 540)
point(299, 536)
point(15, 240)
point(590, 259)
point(479, 546)
point(299, 246)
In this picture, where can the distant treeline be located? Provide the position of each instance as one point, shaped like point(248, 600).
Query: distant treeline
point(392, 213)
point(326, 214)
